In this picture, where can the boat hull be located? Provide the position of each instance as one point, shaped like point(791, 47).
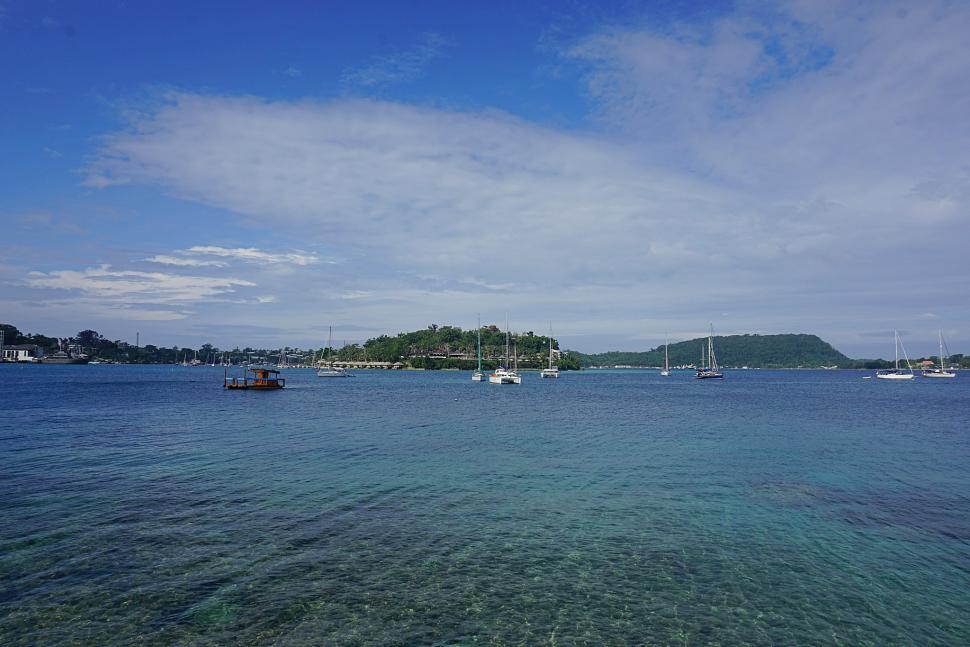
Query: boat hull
point(253, 387)
point(327, 373)
point(708, 375)
point(549, 373)
point(938, 374)
point(895, 376)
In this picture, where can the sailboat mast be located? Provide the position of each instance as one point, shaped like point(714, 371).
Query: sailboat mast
point(942, 366)
point(550, 344)
point(507, 364)
point(479, 343)
point(710, 349)
point(896, 341)
point(666, 357)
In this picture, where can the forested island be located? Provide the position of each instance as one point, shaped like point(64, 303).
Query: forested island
point(450, 347)
point(752, 351)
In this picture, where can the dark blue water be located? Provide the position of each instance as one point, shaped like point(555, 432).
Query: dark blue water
point(145, 505)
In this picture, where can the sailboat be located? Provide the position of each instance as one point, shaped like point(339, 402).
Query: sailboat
point(330, 370)
point(709, 370)
point(666, 370)
point(897, 373)
point(552, 370)
point(478, 375)
point(504, 375)
point(939, 372)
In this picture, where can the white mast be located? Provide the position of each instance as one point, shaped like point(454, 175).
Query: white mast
point(896, 341)
point(905, 355)
point(710, 350)
point(550, 346)
point(507, 363)
point(942, 365)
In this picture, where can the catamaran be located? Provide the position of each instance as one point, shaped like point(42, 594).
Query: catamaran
point(666, 370)
point(504, 375)
point(552, 370)
point(897, 373)
point(478, 375)
point(330, 370)
point(708, 370)
point(939, 372)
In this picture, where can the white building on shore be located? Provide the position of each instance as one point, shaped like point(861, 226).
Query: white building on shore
point(21, 353)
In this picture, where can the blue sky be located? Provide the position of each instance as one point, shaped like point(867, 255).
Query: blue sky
point(243, 174)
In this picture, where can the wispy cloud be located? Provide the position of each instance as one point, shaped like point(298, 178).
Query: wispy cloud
point(293, 72)
point(251, 254)
point(181, 261)
point(128, 286)
point(190, 257)
point(398, 67)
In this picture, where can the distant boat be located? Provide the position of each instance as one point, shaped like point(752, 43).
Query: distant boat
point(255, 378)
point(552, 371)
point(478, 375)
point(503, 374)
point(666, 370)
point(708, 370)
point(330, 370)
point(897, 373)
point(940, 372)
point(64, 355)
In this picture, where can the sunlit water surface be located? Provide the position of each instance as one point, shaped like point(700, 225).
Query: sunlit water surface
point(146, 505)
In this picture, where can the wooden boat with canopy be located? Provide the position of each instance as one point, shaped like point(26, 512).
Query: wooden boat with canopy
point(255, 378)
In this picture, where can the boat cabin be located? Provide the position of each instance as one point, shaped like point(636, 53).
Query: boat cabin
point(256, 378)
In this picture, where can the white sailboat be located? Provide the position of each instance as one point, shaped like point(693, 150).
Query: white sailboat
point(503, 374)
point(709, 370)
point(330, 370)
point(478, 375)
point(897, 373)
point(552, 371)
point(940, 372)
point(666, 370)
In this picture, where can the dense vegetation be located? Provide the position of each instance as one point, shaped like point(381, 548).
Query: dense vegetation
point(439, 347)
point(756, 351)
point(435, 347)
point(452, 347)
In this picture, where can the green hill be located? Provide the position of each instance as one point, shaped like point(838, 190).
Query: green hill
point(756, 351)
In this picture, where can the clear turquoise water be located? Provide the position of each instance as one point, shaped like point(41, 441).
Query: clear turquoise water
point(145, 505)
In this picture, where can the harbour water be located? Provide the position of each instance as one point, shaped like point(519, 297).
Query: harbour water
point(147, 506)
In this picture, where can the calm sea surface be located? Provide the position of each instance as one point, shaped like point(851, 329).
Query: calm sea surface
point(147, 506)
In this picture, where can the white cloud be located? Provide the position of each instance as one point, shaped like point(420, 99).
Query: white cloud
point(253, 255)
point(165, 259)
point(131, 287)
point(398, 67)
point(770, 166)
